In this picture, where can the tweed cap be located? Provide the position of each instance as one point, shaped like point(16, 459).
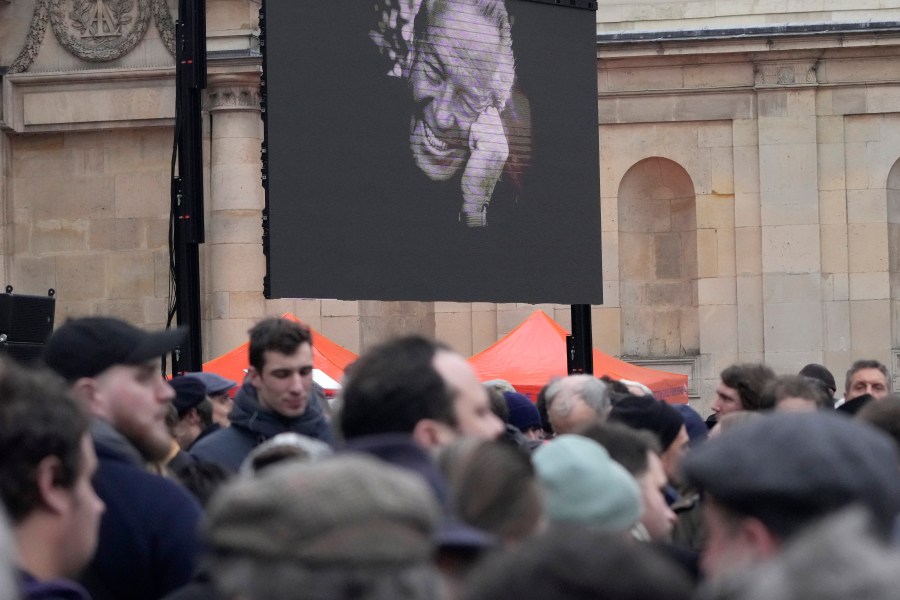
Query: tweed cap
point(345, 511)
point(789, 469)
point(584, 486)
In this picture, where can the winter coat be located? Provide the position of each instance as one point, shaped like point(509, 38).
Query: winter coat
point(252, 425)
point(149, 542)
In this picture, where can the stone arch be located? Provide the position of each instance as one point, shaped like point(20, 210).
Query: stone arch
point(658, 260)
point(893, 213)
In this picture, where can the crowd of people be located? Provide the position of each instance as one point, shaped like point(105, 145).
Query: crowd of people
point(420, 481)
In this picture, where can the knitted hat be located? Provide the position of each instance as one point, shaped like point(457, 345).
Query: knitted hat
point(523, 414)
point(584, 486)
point(344, 511)
point(188, 393)
point(646, 412)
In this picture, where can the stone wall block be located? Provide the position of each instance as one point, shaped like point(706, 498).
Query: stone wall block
point(791, 249)
point(142, 195)
point(745, 132)
point(788, 167)
point(606, 329)
point(837, 326)
point(747, 211)
point(800, 287)
point(238, 187)
point(718, 330)
point(833, 207)
point(864, 128)
point(748, 250)
point(750, 314)
point(34, 275)
point(870, 329)
point(235, 227)
point(831, 171)
point(130, 274)
point(870, 286)
point(455, 328)
point(793, 327)
point(707, 253)
point(73, 198)
point(856, 164)
point(791, 207)
point(237, 267)
point(717, 135)
point(868, 247)
point(866, 206)
point(835, 258)
point(127, 309)
point(715, 212)
point(246, 305)
point(81, 276)
point(847, 101)
point(53, 237)
point(717, 290)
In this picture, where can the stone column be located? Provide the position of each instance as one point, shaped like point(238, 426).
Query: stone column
point(789, 203)
point(234, 263)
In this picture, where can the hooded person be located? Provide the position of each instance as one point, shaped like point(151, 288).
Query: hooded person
point(279, 396)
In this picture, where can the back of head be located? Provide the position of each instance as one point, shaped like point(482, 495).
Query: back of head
point(578, 564)
point(493, 487)
point(788, 470)
point(393, 386)
point(346, 526)
point(821, 373)
point(38, 419)
point(584, 486)
point(788, 387)
point(834, 560)
point(883, 415)
point(626, 446)
point(749, 380)
point(275, 335)
point(650, 414)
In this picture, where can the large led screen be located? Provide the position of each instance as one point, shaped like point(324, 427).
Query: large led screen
point(432, 150)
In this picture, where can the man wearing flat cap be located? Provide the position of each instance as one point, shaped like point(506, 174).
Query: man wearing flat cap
point(217, 390)
point(350, 526)
point(147, 545)
point(775, 476)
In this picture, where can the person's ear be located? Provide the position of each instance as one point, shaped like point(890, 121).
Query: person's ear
point(254, 377)
point(764, 543)
point(48, 479)
point(193, 417)
point(430, 433)
point(88, 392)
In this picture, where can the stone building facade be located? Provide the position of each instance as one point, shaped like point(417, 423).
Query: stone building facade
point(750, 185)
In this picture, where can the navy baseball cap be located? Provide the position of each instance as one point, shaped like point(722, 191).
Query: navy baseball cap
point(87, 346)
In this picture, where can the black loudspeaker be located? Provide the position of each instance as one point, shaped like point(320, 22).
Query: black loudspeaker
point(25, 324)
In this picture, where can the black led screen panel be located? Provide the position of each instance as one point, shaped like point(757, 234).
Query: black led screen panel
point(431, 150)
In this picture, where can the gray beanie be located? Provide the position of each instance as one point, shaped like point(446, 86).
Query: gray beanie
point(345, 511)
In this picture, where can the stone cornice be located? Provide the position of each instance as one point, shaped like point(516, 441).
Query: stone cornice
point(785, 73)
point(89, 100)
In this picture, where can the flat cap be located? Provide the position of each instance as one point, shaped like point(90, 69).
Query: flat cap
point(215, 383)
point(346, 511)
point(189, 393)
point(790, 469)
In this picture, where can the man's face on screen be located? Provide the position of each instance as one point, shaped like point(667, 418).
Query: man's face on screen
point(452, 81)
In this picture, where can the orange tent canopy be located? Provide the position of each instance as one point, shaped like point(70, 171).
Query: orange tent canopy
point(533, 353)
point(328, 357)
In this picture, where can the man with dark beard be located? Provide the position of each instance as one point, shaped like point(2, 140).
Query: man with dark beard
point(148, 534)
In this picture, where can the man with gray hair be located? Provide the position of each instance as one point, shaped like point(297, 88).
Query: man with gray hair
point(576, 401)
point(345, 527)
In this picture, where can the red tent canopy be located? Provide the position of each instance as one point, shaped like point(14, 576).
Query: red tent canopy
point(328, 357)
point(533, 353)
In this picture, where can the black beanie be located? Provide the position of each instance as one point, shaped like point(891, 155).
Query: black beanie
point(646, 412)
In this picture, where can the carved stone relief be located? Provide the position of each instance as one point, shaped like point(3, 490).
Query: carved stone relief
point(95, 30)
